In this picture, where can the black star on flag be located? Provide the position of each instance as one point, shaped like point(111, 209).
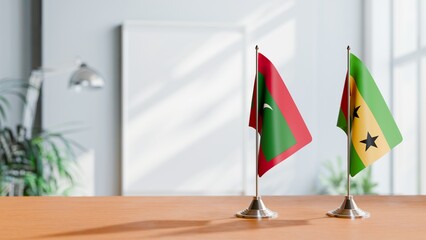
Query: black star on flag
point(355, 114)
point(369, 141)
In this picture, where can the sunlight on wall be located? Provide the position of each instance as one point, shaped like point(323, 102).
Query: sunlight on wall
point(406, 115)
point(405, 33)
point(201, 54)
point(280, 43)
point(265, 13)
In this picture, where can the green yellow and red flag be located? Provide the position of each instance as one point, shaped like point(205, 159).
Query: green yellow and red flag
point(374, 131)
point(282, 129)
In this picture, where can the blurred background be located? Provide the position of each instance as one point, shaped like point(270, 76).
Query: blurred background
point(172, 115)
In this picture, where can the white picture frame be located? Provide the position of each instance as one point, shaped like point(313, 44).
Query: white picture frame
point(201, 151)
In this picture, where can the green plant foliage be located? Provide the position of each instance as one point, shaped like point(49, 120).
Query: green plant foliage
point(35, 166)
point(334, 177)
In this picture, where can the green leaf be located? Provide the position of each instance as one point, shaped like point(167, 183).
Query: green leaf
point(30, 180)
point(48, 162)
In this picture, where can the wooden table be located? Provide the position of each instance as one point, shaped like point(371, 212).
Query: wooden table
point(392, 217)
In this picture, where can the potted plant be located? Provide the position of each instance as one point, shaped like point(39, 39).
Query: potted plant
point(32, 165)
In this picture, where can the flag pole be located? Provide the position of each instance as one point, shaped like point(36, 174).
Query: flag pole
point(348, 209)
point(349, 121)
point(257, 121)
point(257, 208)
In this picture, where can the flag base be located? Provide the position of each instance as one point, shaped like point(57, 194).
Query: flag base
point(257, 209)
point(348, 209)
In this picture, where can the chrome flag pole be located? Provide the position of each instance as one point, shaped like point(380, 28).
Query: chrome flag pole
point(257, 208)
point(348, 209)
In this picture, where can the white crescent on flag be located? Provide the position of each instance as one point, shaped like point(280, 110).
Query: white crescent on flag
point(265, 105)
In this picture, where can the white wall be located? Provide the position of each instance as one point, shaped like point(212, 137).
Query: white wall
point(306, 39)
point(393, 44)
point(15, 48)
point(377, 57)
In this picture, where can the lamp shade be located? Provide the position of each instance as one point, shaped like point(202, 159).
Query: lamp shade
point(86, 77)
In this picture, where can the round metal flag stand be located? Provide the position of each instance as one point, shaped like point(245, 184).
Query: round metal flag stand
point(257, 209)
point(348, 209)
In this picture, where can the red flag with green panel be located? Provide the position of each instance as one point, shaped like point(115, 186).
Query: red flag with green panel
point(374, 131)
point(282, 129)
